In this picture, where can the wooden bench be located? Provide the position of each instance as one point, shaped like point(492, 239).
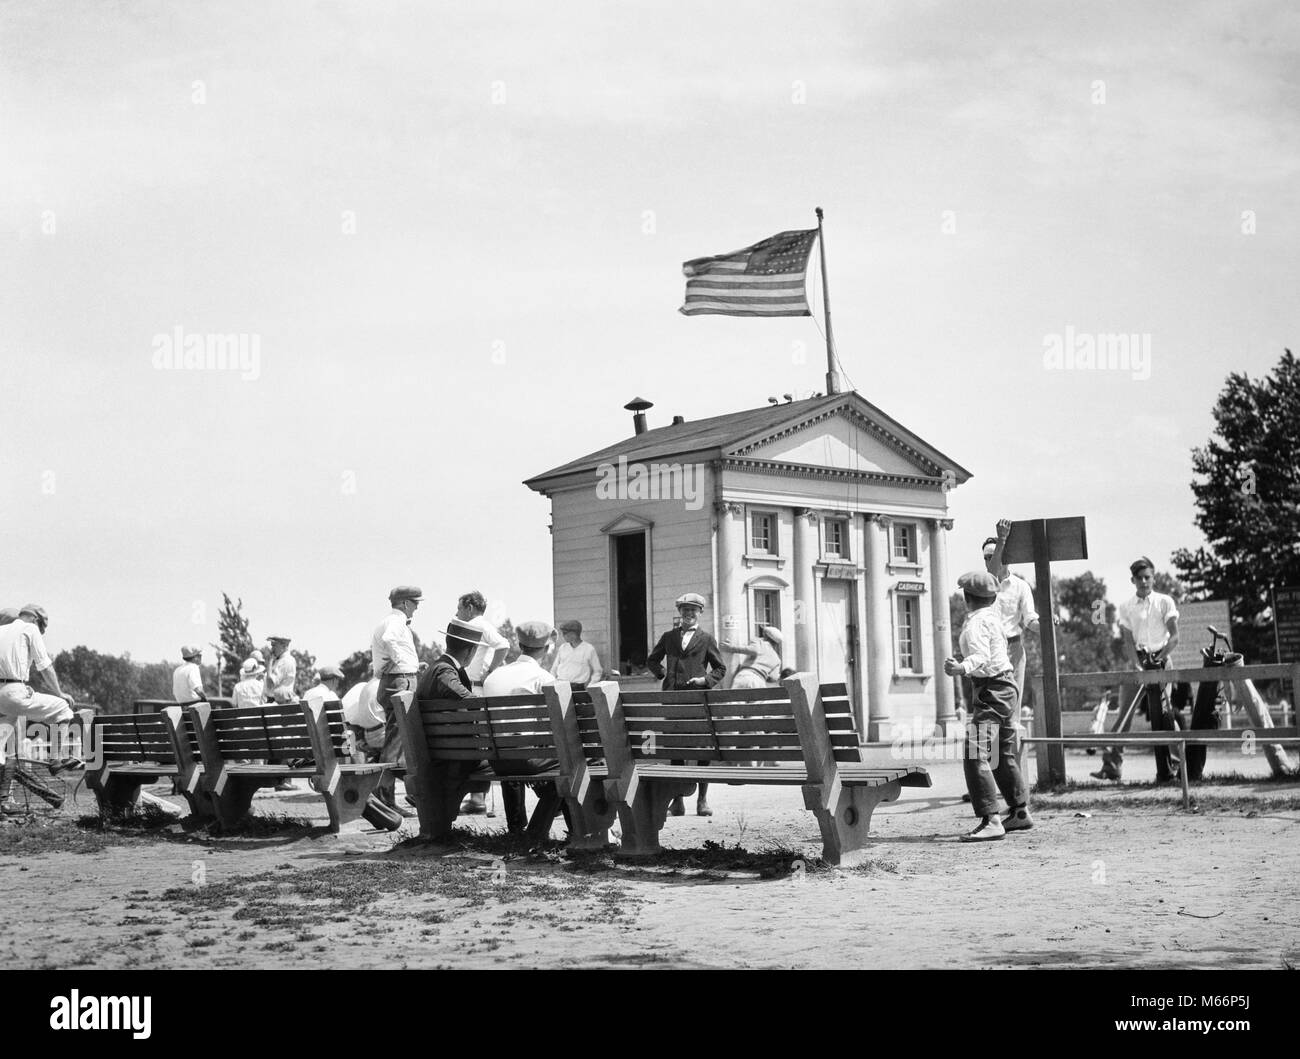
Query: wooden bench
point(439, 735)
point(127, 751)
point(290, 732)
point(806, 730)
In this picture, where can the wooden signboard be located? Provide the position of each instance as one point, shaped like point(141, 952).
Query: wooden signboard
point(1286, 604)
point(1066, 539)
point(1192, 635)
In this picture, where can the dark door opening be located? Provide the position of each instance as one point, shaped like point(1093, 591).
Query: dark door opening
point(630, 600)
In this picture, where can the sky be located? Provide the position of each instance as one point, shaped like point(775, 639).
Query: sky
point(453, 235)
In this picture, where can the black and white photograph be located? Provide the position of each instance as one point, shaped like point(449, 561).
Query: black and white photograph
point(658, 486)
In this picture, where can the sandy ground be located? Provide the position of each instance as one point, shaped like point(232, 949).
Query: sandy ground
point(1140, 884)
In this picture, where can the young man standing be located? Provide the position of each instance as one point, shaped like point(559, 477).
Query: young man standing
point(393, 658)
point(1149, 625)
point(187, 678)
point(693, 662)
point(576, 660)
point(994, 711)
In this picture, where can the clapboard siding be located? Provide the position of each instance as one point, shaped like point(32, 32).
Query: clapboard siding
point(681, 559)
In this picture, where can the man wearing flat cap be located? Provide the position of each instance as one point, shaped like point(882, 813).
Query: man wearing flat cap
point(326, 689)
point(393, 656)
point(281, 671)
point(687, 659)
point(187, 678)
point(992, 760)
point(576, 660)
point(525, 676)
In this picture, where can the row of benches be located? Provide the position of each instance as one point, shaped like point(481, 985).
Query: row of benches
point(613, 755)
point(626, 755)
point(209, 752)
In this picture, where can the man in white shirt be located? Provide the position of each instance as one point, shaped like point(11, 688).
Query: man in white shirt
point(187, 678)
point(326, 689)
point(23, 657)
point(1015, 601)
point(393, 657)
point(576, 660)
point(281, 671)
point(525, 676)
point(1148, 623)
point(470, 608)
point(362, 712)
point(991, 761)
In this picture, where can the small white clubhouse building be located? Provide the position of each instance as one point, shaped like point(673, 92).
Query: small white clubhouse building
point(824, 517)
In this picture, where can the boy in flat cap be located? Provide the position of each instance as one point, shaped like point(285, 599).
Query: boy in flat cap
point(576, 660)
point(525, 676)
point(693, 663)
point(993, 734)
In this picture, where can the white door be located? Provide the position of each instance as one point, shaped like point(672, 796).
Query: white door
point(835, 648)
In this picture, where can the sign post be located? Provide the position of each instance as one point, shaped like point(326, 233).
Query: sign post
point(1043, 541)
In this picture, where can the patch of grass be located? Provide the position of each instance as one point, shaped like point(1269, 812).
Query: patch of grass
point(260, 825)
point(201, 943)
point(143, 817)
point(1216, 791)
point(34, 835)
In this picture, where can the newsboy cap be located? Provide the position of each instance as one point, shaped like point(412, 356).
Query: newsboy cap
point(402, 592)
point(979, 583)
point(570, 626)
point(691, 599)
point(325, 672)
point(533, 633)
point(191, 651)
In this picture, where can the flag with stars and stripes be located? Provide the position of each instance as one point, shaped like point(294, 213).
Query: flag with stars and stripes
point(766, 279)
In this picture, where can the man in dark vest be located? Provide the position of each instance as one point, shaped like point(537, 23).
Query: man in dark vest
point(687, 659)
point(447, 679)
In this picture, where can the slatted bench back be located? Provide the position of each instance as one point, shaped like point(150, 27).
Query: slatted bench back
point(273, 731)
point(730, 726)
point(587, 727)
point(500, 728)
point(135, 737)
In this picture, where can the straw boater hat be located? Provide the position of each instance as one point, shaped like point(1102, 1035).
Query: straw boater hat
point(461, 632)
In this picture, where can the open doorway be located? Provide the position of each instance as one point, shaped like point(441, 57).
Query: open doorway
point(631, 631)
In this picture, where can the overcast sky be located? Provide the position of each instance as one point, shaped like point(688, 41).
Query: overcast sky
point(456, 233)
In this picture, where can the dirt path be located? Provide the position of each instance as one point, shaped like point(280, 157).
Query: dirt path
point(1142, 885)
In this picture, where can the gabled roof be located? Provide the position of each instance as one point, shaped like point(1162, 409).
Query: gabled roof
point(724, 435)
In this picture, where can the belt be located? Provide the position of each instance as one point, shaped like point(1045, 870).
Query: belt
point(1006, 674)
point(372, 728)
point(477, 683)
point(401, 674)
point(11, 680)
point(1013, 639)
point(754, 669)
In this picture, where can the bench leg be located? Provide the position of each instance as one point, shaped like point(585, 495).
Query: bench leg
point(647, 813)
point(845, 825)
point(114, 793)
point(348, 800)
point(544, 813)
point(234, 802)
point(591, 818)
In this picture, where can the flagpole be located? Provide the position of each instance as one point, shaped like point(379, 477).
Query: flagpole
point(832, 376)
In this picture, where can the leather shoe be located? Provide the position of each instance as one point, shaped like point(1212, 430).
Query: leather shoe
point(676, 808)
point(1103, 775)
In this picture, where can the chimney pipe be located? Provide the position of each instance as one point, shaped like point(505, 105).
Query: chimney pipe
point(678, 420)
point(637, 407)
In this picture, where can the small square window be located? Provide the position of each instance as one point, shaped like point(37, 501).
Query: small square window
point(837, 538)
point(762, 535)
point(905, 542)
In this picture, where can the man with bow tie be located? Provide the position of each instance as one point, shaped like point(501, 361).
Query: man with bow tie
point(686, 659)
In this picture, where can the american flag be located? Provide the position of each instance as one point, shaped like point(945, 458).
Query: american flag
point(766, 279)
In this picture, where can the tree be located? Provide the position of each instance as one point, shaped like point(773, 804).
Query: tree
point(110, 682)
point(354, 669)
point(306, 677)
point(1170, 585)
point(1247, 491)
point(235, 641)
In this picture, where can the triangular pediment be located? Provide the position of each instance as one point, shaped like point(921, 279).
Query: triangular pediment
point(844, 439)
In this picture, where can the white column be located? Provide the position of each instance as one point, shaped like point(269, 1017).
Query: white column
point(944, 712)
point(880, 652)
point(731, 548)
point(805, 558)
